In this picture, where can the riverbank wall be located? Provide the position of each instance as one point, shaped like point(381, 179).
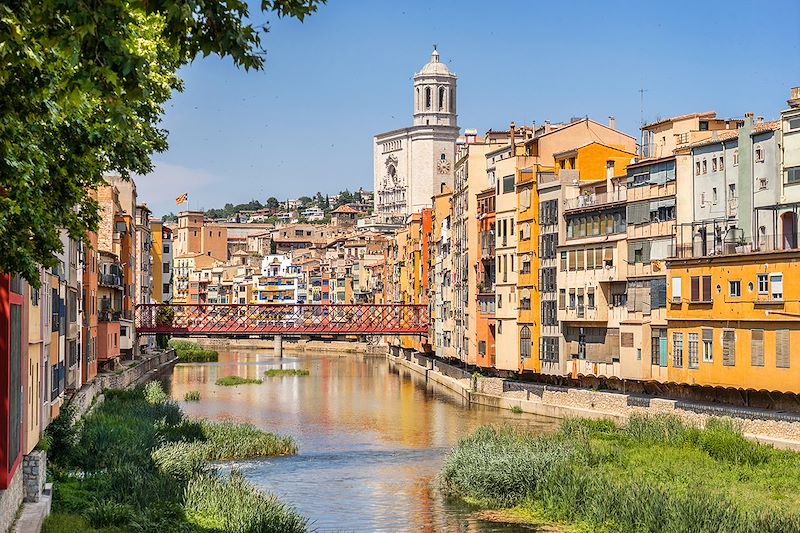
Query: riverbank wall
point(296, 346)
point(781, 430)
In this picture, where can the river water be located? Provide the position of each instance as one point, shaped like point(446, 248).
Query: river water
point(372, 436)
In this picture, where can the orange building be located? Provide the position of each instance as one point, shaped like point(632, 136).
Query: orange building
point(485, 325)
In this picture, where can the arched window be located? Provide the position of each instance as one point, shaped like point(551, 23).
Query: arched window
point(442, 157)
point(736, 157)
point(416, 102)
point(441, 98)
point(759, 154)
point(427, 97)
point(525, 342)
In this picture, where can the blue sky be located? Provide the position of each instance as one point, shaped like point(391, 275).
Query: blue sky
point(305, 123)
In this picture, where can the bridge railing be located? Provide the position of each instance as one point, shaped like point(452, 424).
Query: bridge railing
point(221, 319)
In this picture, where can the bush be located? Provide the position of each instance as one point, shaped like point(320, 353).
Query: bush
point(231, 381)
point(154, 393)
point(109, 513)
point(191, 352)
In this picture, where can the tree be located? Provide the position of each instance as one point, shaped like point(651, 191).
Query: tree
point(304, 201)
point(83, 89)
point(345, 197)
point(320, 200)
point(273, 203)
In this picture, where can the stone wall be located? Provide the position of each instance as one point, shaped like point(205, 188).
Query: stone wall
point(10, 500)
point(34, 474)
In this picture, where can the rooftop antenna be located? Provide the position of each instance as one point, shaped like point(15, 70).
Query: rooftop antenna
point(641, 105)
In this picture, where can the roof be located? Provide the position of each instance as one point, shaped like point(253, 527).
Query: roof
point(705, 114)
point(726, 135)
point(344, 209)
point(590, 143)
point(434, 67)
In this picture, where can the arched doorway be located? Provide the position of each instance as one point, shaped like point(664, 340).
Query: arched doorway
point(789, 230)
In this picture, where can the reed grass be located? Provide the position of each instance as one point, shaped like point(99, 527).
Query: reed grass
point(285, 372)
point(192, 396)
point(656, 473)
point(126, 467)
point(233, 505)
point(232, 381)
point(191, 352)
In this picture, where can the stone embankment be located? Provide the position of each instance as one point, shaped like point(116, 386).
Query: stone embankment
point(781, 430)
point(293, 345)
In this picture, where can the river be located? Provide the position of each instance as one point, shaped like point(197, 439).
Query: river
point(372, 436)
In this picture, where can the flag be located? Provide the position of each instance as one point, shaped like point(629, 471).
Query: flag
point(182, 198)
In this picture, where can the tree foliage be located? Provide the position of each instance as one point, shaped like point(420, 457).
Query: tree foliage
point(230, 209)
point(82, 89)
point(273, 203)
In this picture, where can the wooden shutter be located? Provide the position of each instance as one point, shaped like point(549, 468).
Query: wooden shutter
point(695, 289)
point(580, 255)
point(572, 259)
point(782, 359)
point(729, 347)
point(626, 340)
point(706, 288)
point(757, 347)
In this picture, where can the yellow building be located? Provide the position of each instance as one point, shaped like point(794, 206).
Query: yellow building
point(528, 320)
point(733, 319)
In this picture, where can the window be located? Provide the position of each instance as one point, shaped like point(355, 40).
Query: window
point(508, 184)
point(441, 98)
point(732, 190)
point(763, 284)
point(525, 342)
point(714, 165)
point(793, 175)
point(736, 157)
point(714, 195)
point(693, 350)
point(676, 290)
point(563, 261)
point(166, 248)
point(572, 298)
point(729, 347)
point(165, 268)
point(708, 345)
point(703, 125)
point(427, 97)
point(757, 347)
point(735, 288)
point(677, 350)
point(759, 154)
point(721, 162)
point(658, 347)
point(776, 284)
point(794, 123)
point(697, 168)
point(590, 298)
point(165, 288)
point(700, 287)
point(562, 298)
point(705, 166)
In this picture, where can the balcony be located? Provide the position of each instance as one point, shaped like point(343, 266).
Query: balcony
point(109, 315)
point(110, 280)
point(589, 201)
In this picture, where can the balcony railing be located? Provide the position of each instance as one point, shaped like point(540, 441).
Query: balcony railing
point(712, 246)
point(596, 199)
point(110, 280)
point(109, 316)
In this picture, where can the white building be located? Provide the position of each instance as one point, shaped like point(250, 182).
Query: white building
point(411, 164)
point(313, 214)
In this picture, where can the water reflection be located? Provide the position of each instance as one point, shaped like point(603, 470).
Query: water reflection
point(372, 437)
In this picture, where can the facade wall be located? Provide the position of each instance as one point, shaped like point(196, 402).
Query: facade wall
point(506, 299)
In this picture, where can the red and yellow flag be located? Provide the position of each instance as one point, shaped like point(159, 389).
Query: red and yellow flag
point(182, 198)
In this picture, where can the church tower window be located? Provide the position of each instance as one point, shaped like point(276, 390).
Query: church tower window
point(441, 99)
point(427, 97)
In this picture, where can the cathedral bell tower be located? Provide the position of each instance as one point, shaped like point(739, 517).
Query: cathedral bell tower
point(435, 94)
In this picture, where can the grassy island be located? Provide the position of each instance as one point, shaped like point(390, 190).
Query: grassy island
point(191, 352)
point(232, 381)
point(136, 464)
point(284, 372)
point(655, 474)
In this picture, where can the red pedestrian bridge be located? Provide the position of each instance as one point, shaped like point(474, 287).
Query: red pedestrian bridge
point(282, 319)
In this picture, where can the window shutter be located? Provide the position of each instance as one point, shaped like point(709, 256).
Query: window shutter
point(729, 347)
point(580, 255)
point(777, 284)
point(782, 348)
point(676, 289)
point(608, 254)
point(757, 347)
point(562, 299)
point(646, 252)
point(706, 288)
point(695, 289)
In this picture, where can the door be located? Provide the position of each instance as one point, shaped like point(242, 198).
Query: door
point(789, 227)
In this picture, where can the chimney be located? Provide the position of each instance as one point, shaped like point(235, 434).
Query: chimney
point(611, 122)
point(794, 98)
point(759, 120)
point(512, 131)
point(748, 118)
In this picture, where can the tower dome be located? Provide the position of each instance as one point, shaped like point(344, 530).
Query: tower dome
point(435, 94)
